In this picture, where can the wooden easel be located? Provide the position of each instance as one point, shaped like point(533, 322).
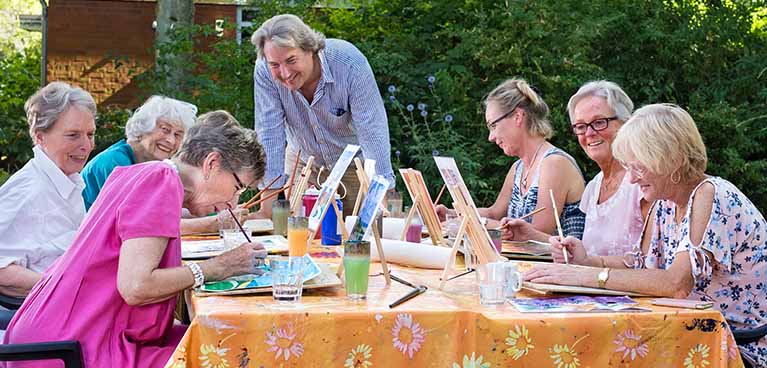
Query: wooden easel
point(418, 191)
point(298, 190)
point(479, 244)
point(364, 185)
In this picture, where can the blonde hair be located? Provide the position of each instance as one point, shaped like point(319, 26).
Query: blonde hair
point(517, 93)
point(663, 138)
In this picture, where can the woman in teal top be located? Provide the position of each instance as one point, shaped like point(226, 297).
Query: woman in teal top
point(154, 132)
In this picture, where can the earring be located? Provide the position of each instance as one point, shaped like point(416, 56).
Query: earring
point(678, 176)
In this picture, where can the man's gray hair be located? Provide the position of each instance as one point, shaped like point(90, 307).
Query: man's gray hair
point(47, 104)
point(287, 30)
point(616, 98)
point(239, 147)
point(144, 119)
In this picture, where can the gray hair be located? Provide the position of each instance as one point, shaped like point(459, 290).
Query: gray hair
point(239, 147)
point(616, 98)
point(514, 93)
point(144, 119)
point(47, 104)
point(218, 117)
point(287, 30)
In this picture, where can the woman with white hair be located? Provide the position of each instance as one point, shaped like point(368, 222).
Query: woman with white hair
point(115, 288)
point(613, 206)
point(42, 206)
point(153, 133)
point(704, 239)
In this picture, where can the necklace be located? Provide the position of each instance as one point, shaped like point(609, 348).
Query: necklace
point(530, 168)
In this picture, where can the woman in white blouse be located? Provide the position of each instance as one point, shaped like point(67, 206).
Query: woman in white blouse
point(42, 204)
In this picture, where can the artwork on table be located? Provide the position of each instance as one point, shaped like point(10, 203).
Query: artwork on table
point(329, 187)
point(416, 187)
point(243, 282)
point(201, 249)
point(370, 207)
point(578, 304)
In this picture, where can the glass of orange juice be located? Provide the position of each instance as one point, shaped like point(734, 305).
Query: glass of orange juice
point(298, 236)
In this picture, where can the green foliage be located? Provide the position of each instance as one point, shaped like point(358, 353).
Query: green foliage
point(19, 79)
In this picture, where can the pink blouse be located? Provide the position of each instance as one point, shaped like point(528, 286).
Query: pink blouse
point(615, 225)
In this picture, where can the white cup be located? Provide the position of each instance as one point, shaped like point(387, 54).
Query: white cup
point(392, 227)
point(513, 279)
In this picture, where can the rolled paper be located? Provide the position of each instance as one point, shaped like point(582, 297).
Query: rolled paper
point(392, 227)
point(412, 254)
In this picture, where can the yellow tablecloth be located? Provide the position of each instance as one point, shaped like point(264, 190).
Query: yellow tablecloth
point(442, 329)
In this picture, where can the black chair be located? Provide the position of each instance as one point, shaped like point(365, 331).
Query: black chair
point(5, 318)
point(10, 302)
point(68, 351)
point(747, 336)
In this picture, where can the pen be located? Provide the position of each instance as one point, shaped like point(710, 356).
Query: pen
point(412, 294)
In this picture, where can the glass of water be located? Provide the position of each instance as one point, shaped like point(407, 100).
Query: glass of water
point(287, 278)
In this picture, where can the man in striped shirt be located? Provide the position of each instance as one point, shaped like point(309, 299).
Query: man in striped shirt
point(315, 95)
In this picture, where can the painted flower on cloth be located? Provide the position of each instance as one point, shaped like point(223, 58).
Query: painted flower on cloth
point(358, 357)
point(408, 335)
point(564, 356)
point(631, 345)
point(519, 342)
point(283, 342)
point(472, 362)
point(696, 357)
point(213, 356)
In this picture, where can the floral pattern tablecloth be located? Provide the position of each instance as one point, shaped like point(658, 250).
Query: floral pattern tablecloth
point(442, 329)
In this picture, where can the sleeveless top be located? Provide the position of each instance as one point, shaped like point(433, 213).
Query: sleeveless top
point(571, 218)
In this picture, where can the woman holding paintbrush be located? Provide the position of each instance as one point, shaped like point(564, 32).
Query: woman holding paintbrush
point(704, 240)
point(517, 118)
point(115, 288)
point(613, 205)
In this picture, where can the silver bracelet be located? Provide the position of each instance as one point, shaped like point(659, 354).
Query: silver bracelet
point(199, 278)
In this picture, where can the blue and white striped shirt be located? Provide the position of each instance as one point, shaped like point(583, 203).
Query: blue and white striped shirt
point(347, 108)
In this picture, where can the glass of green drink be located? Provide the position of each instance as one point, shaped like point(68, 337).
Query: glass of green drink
point(356, 268)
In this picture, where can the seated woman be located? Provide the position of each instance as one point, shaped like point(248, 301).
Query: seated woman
point(517, 119)
point(42, 207)
point(703, 239)
point(614, 207)
point(115, 289)
point(154, 132)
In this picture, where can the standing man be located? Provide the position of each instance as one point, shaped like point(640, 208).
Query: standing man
point(315, 95)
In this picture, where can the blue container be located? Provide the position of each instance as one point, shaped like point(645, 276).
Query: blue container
point(331, 234)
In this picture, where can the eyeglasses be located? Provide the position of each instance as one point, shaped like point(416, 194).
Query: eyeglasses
point(638, 172)
point(596, 124)
point(491, 125)
point(239, 187)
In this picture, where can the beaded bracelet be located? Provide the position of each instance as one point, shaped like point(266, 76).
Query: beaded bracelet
point(199, 278)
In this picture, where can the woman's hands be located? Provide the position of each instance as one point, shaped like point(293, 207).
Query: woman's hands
point(245, 259)
point(576, 253)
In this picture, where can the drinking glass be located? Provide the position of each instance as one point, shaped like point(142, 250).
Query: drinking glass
point(298, 236)
point(287, 278)
point(356, 268)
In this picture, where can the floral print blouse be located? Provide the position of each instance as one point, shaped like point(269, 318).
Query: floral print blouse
point(734, 278)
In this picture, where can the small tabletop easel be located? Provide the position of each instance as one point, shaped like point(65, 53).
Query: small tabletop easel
point(300, 187)
point(418, 191)
point(373, 197)
point(479, 244)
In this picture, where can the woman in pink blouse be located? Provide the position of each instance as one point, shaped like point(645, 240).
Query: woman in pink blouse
point(115, 288)
point(613, 206)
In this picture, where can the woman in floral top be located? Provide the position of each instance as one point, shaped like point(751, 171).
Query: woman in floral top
point(704, 241)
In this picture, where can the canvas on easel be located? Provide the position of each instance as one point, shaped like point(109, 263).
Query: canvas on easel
point(328, 190)
point(479, 244)
point(419, 193)
point(300, 187)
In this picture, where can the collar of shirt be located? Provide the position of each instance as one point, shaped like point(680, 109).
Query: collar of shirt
point(66, 185)
point(327, 76)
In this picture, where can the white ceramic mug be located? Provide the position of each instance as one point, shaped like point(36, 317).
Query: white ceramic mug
point(513, 279)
